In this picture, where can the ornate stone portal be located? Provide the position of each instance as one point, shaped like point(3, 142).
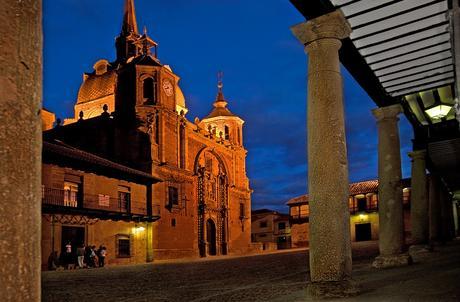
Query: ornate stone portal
point(212, 204)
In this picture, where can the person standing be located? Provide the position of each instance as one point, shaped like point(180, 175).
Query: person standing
point(102, 255)
point(81, 255)
point(68, 255)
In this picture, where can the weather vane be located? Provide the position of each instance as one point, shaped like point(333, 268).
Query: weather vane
point(220, 76)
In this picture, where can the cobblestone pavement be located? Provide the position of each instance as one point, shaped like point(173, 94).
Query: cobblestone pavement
point(252, 278)
point(270, 277)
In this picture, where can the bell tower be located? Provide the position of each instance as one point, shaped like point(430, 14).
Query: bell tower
point(221, 122)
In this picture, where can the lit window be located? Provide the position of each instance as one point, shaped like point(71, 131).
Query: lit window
point(71, 194)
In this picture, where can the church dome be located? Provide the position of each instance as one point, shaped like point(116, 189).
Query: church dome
point(180, 99)
point(97, 86)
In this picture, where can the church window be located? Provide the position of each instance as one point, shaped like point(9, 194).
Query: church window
point(242, 210)
point(227, 132)
point(173, 222)
point(149, 91)
point(173, 196)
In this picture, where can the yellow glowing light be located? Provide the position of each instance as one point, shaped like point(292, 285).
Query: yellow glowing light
point(438, 112)
point(138, 229)
point(363, 217)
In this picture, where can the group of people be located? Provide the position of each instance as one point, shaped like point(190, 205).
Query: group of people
point(81, 257)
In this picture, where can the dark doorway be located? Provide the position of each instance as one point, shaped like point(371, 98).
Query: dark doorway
point(74, 235)
point(211, 237)
point(363, 232)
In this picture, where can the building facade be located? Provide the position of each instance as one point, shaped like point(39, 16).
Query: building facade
point(88, 200)
point(271, 228)
point(132, 111)
point(363, 207)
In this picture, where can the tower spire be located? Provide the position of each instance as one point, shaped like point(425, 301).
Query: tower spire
point(129, 18)
point(220, 85)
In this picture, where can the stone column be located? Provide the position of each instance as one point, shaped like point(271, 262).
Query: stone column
point(419, 199)
point(447, 218)
point(20, 149)
point(330, 247)
point(391, 222)
point(434, 209)
point(149, 241)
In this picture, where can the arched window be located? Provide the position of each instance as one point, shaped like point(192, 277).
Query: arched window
point(227, 132)
point(149, 91)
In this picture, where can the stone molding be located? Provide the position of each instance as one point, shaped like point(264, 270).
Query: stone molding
point(330, 26)
point(417, 155)
point(387, 113)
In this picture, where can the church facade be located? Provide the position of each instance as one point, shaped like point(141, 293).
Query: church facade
point(132, 111)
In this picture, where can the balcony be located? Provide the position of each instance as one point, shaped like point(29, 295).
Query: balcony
point(61, 201)
point(356, 210)
point(299, 218)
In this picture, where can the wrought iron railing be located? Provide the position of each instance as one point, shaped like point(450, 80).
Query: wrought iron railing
point(69, 199)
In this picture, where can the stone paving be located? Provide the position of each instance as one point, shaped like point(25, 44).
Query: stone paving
point(269, 277)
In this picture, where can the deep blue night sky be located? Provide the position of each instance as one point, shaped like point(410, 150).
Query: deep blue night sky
point(264, 78)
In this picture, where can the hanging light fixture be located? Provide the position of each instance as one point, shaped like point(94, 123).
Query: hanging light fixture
point(438, 112)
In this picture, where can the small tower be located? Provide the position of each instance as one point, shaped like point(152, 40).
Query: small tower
point(221, 122)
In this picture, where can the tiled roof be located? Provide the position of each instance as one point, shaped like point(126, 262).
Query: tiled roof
point(362, 187)
point(220, 111)
point(71, 153)
point(261, 211)
point(298, 200)
point(97, 86)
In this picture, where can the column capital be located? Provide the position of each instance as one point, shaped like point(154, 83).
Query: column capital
point(333, 25)
point(387, 113)
point(417, 154)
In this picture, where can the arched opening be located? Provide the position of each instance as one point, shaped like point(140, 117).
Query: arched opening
point(227, 132)
point(149, 91)
point(211, 237)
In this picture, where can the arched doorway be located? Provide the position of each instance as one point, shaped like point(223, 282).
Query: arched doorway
point(211, 237)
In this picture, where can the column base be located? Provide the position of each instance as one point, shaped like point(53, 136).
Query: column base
point(417, 250)
point(392, 261)
point(332, 289)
